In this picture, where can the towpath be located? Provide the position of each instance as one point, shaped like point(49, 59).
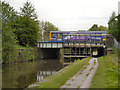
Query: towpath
point(83, 78)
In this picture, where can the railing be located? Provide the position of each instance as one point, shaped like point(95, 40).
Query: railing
point(116, 44)
point(49, 44)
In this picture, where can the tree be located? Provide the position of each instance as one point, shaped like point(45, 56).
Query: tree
point(102, 28)
point(0, 18)
point(46, 27)
point(113, 25)
point(119, 28)
point(96, 28)
point(8, 38)
point(28, 11)
point(28, 26)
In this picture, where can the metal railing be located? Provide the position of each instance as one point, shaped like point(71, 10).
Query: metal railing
point(116, 44)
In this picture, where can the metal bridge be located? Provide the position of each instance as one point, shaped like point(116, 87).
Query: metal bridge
point(74, 45)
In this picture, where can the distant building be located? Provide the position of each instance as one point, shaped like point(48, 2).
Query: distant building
point(119, 7)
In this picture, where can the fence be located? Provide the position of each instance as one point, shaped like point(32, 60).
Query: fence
point(116, 44)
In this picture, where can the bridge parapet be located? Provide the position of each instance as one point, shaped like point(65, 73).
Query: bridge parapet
point(50, 44)
point(67, 44)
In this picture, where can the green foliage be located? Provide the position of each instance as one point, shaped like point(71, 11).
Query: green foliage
point(0, 34)
point(46, 27)
point(96, 28)
point(103, 28)
point(113, 25)
point(8, 46)
point(28, 11)
point(8, 37)
point(27, 31)
point(27, 26)
point(0, 18)
point(26, 54)
point(119, 28)
point(0, 48)
point(20, 29)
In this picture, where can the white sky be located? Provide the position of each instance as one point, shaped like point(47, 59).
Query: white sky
point(72, 15)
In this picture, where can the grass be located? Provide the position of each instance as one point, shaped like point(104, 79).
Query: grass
point(0, 77)
point(85, 67)
point(56, 81)
point(107, 72)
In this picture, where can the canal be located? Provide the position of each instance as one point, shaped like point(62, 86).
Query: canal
point(21, 75)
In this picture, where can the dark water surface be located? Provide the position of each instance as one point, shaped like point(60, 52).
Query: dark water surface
point(21, 75)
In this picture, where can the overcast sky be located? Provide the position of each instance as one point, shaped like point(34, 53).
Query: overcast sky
point(72, 15)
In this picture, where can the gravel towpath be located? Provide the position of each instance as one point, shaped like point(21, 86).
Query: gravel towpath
point(83, 78)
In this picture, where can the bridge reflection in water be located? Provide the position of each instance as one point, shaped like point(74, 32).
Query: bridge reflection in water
point(43, 74)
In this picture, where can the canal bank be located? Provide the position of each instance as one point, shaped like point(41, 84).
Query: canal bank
point(58, 79)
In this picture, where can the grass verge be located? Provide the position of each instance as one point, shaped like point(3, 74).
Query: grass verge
point(107, 72)
point(56, 81)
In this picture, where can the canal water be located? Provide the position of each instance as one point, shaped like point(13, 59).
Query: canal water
point(21, 75)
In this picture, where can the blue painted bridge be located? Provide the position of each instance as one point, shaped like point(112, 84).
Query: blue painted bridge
point(74, 48)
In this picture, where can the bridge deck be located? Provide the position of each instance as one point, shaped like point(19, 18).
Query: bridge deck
point(61, 45)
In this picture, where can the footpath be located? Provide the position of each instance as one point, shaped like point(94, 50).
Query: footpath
point(83, 78)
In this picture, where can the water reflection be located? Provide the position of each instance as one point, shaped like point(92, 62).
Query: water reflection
point(23, 74)
point(43, 74)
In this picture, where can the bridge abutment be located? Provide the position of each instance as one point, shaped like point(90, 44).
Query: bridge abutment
point(48, 53)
